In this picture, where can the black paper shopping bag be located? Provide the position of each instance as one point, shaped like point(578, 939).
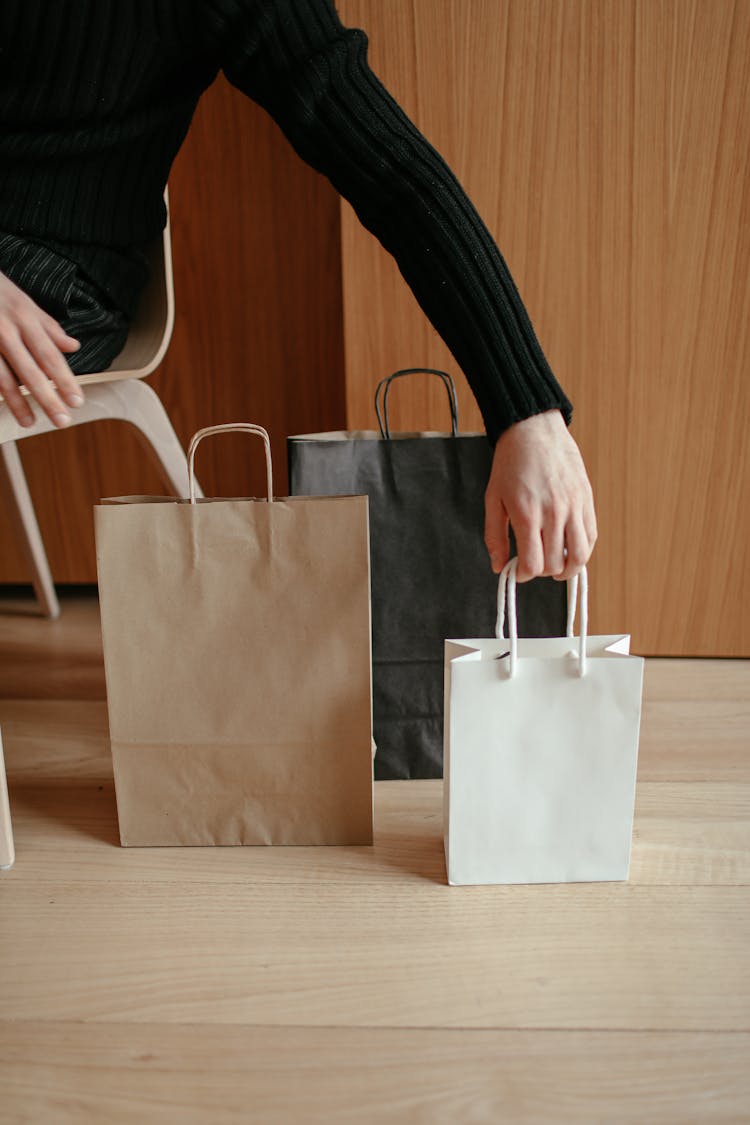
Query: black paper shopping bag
point(431, 575)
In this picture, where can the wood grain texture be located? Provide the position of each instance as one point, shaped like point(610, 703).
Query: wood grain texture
point(257, 337)
point(691, 834)
point(78, 1073)
point(606, 145)
point(336, 952)
point(335, 984)
point(43, 659)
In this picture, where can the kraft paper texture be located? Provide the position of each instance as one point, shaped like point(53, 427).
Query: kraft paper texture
point(238, 662)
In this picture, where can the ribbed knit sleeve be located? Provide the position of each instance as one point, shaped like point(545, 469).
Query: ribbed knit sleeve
point(296, 59)
point(96, 97)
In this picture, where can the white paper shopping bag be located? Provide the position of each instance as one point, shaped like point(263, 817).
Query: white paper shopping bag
point(541, 747)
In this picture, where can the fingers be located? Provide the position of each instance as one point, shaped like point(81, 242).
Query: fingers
point(29, 356)
point(49, 360)
point(529, 541)
point(540, 541)
point(32, 344)
point(496, 530)
point(577, 551)
point(580, 538)
point(17, 403)
point(589, 520)
point(551, 546)
point(553, 542)
point(28, 372)
point(539, 482)
point(59, 336)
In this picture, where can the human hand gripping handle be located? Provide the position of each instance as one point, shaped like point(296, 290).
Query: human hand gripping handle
point(32, 344)
point(538, 483)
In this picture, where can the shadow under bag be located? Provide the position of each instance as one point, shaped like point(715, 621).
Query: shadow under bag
point(430, 572)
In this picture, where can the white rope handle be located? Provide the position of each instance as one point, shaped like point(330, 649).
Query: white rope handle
point(236, 427)
point(573, 598)
point(507, 582)
point(574, 583)
point(507, 586)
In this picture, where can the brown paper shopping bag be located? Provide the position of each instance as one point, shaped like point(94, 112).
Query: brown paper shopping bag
point(237, 653)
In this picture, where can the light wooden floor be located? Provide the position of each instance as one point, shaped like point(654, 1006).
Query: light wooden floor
point(353, 985)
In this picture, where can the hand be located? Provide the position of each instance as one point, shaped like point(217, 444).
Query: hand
point(538, 483)
point(31, 354)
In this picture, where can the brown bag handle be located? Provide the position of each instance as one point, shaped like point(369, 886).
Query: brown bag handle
point(237, 427)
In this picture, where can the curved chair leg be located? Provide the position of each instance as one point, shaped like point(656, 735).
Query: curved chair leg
point(132, 400)
point(7, 851)
point(23, 510)
point(126, 400)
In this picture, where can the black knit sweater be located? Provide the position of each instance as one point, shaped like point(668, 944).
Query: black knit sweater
point(96, 97)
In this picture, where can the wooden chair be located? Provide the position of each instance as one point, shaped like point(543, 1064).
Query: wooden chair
point(120, 393)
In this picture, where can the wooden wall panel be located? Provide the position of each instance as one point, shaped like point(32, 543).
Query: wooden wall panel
point(258, 334)
point(606, 145)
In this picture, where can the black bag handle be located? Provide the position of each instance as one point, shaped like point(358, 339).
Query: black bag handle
point(448, 383)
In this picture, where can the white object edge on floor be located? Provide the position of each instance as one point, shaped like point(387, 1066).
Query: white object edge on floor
point(7, 851)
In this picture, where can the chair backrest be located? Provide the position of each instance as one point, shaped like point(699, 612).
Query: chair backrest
point(151, 329)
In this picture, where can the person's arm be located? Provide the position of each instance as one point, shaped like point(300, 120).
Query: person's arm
point(296, 59)
point(32, 344)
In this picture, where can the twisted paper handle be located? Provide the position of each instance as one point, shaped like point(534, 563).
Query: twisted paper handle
point(507, 585)
point(238, 427)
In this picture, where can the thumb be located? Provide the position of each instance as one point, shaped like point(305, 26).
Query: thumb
point(496, 531)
